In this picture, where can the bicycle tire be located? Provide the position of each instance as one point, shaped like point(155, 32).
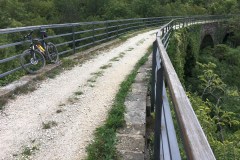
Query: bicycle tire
point(32, 61)
point(52, 52)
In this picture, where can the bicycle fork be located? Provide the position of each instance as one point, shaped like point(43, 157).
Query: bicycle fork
point(34, 59)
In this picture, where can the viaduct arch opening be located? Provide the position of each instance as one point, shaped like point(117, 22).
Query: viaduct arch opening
point(207, 41)
point(227, 39)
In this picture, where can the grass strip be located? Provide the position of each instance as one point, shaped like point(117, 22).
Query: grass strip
point(104, 143)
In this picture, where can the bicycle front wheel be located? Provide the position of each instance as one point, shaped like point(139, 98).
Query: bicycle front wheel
point(32, 61)
point(52, 52)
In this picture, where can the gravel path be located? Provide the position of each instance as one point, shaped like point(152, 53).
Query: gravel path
point(72, 105)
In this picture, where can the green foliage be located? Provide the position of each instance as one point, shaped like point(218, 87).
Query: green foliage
point(235, 28)
point(220, 51)
point(217, 125)
point(210, 83)
point(183, 50)
point(21, 13)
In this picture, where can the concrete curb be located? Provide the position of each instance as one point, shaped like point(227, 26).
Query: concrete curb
point(131, 138)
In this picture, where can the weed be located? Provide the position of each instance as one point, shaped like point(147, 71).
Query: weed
point(52, 74)
point(25, 89)
point(3, 102)
point(92, 80)
point(59, 111)
point(49, 124)
point(28, 151)
point(78, 93)
point(91, 85)
point(117, 58)
point(98, 74)
point(114, 59)
point(68, 63)
point(62, 104)
point(140, 42)
point(40, 77)
point(106, 66)
point(121, 54)
point(14, 155)
point(130, 49)
point(72, 99)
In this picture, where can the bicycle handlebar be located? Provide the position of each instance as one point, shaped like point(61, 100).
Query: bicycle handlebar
point(29, 35)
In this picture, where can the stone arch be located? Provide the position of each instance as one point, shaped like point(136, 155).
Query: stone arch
point(227, 38)
point(207, 41)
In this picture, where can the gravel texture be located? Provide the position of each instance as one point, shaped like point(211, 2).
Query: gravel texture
point(57, 121)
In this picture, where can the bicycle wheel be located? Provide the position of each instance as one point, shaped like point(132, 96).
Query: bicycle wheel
point(52, 52)
point(32, 61)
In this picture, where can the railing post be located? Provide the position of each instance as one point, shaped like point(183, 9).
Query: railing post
point(153, 88)
point(158, 106)
point(107, 30)
point(118, 28)
point(93, 30)
point(73, 37)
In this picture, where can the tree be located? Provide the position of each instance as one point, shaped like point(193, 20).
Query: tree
point(212, 85)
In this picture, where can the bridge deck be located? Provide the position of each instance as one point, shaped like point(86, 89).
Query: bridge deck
point(82, 95)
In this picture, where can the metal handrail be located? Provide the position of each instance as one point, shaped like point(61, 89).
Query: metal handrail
point(75, 35)
point(194, 139)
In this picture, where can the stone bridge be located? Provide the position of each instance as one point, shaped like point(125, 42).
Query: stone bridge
point(213, 34)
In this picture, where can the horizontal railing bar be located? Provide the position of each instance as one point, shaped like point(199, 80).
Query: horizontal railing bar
point(9, 59)
point(166, 37)
point(99, 35)
point(59, 35)
point(101, 40)
point(20, 29)
point(82, 39)
point(11, 44)
point(85, 31)
point(113, 36)
point(109, 27)
point(113, 31)
point(85, 45)
point(63, 52)
point(98, 29)
point(64, 43)
point(128, 24)
point(10, 72)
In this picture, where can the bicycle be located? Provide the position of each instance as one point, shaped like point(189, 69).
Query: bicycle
point(33, 60)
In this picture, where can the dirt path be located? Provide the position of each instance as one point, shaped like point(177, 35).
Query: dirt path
point(72, 105)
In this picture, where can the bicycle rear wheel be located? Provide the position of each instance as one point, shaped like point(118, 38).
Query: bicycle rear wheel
point(32, 61)
point(52, 52)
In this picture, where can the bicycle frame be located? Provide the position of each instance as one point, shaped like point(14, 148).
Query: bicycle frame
point(40, 45)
